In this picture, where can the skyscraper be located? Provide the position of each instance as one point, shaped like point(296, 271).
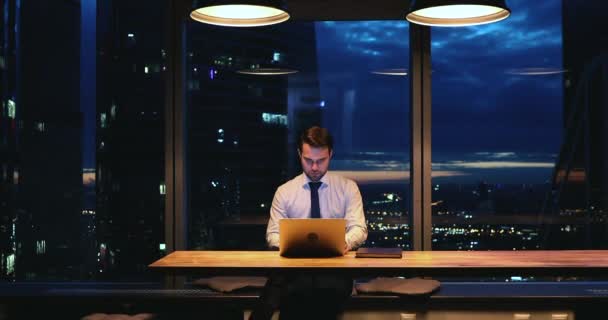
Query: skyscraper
point(129, 137)
point(239, 125)
point(49, 125)
point(9, 173)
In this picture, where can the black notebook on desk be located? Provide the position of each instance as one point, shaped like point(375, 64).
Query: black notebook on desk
point(379, 253)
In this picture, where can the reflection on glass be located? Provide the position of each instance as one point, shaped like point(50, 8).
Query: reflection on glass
point(232, 181)
point(506, 171)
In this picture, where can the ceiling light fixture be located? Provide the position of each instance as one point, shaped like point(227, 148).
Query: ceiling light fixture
point(267, 71)
point(536, 71)
point(457, 13)
point(391, 72)
point(240, 13)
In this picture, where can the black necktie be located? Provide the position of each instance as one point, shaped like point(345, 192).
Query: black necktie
point(315, 210)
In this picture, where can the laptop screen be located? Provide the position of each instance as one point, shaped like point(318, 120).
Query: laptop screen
point(311, 237)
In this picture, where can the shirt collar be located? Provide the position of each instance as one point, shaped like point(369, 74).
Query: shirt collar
point(324, 181)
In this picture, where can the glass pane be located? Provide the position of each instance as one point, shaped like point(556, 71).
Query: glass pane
point(502, 138)
point(243, 129)
point(82, 138)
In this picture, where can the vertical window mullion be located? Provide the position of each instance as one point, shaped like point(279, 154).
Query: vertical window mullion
point(420, 118)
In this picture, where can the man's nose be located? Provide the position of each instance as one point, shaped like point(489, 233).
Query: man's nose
point(314, 165)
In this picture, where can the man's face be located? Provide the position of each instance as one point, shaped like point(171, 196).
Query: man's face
point(315, 161)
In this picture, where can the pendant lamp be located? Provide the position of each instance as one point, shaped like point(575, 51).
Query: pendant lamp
point(239, 13)
point(457, 13)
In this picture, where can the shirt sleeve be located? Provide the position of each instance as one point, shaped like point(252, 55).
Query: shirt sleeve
point(356, 228)
point(277, 212)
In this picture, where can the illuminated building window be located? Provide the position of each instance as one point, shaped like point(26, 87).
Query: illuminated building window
point(11, 109)
point(163, 188)
point(41, 247)
point(145, 69)
point(103, 120)
point(86, 212)
point(10, 264)
point(194, 85)
point(212, 73)
point(131, 41)
point(223, 61)
point(273, 118)
point(113, 111)
point(276, 57)
point(40, 126)
point(220, 135)
point(162, 246)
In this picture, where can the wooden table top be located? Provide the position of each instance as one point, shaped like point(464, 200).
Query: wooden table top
point(581, 262)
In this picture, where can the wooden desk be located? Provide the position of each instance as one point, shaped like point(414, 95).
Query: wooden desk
point(427, 263)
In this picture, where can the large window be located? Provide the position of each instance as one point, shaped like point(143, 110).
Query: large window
point(518, 131)
point(243, 127)
point(506, 170)
point(81, 125)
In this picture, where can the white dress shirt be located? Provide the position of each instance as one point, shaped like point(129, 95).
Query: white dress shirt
point(339, 197)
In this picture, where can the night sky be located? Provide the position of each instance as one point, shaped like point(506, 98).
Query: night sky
point(88, 81)
point(490, 121)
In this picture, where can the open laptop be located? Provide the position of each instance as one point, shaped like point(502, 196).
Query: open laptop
point(311, 237)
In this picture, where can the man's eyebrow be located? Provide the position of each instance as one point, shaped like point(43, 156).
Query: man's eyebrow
point(306, 158)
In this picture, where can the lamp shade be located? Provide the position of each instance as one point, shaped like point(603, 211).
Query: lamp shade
point(457, 13)
point(239, 13)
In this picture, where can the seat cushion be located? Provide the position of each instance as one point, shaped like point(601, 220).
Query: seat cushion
point(399, 286)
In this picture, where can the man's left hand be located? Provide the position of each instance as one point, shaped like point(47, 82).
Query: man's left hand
point(346, 248)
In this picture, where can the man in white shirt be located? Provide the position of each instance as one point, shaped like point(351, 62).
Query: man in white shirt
point(316, 193)
point(338, 197)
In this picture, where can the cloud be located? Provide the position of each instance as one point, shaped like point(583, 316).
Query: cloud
point(497, 155)
point(382, 177)
point(493, 164)
point(494, 160)
point(363, 39)
point(88, 178)
point(370, 165)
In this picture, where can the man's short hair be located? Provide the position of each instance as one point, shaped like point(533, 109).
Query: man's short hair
point(316, 137)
